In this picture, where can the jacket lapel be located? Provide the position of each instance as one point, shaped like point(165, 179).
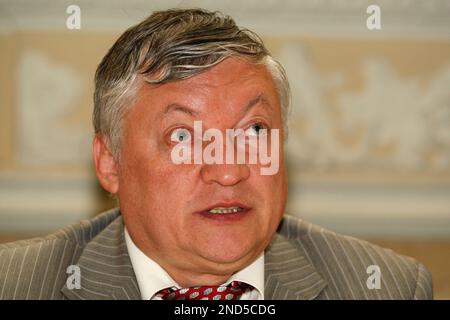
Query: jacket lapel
point(106, 269)
point(287, 273)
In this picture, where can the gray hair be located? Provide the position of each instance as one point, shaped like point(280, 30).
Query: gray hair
point(168, 46)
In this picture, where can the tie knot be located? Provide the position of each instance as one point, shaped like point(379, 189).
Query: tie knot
point(232, 291)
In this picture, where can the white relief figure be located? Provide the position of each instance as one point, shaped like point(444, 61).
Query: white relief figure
point(407, 116)
point(47, 95)
point(316, 144)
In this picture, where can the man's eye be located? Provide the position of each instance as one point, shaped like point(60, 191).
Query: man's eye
point(256, 129)
point(180, 135)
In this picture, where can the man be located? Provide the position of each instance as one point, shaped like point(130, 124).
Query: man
point(197, 227)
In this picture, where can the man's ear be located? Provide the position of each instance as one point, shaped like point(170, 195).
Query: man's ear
point(105, 165)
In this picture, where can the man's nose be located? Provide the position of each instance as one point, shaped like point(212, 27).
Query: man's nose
point(225, 174)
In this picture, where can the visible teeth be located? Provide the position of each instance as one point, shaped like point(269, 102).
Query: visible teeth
point(221, 210)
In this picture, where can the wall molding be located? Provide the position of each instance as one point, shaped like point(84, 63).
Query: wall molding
point(356, 208)
point(407, 18)
point(40, 203)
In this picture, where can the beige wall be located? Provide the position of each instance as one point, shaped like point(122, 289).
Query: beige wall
point(77, 52)
point(369, 147)
point(368, 152)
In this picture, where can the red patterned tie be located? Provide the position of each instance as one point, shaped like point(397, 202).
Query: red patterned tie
point(233, 291)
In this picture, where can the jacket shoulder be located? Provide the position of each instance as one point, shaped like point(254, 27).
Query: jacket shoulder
point(79, 233)
point(36, 268)
point(355, 268)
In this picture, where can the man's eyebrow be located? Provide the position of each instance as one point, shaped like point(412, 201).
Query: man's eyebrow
point(258, 99)
point(180, 108)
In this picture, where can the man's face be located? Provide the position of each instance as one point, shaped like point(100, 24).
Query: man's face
point(165, 205)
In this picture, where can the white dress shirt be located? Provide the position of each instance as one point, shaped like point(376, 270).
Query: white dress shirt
point(152, 278)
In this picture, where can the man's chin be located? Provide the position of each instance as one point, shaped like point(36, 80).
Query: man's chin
point(229, 256)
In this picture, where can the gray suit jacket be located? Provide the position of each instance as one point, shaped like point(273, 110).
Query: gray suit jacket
point(303, 261)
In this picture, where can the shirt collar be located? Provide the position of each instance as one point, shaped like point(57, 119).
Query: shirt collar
point(151, 277)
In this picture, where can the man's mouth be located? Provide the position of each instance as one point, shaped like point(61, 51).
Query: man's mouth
point(224, 210)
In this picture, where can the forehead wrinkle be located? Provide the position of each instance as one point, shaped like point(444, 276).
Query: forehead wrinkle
point(176, 107)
